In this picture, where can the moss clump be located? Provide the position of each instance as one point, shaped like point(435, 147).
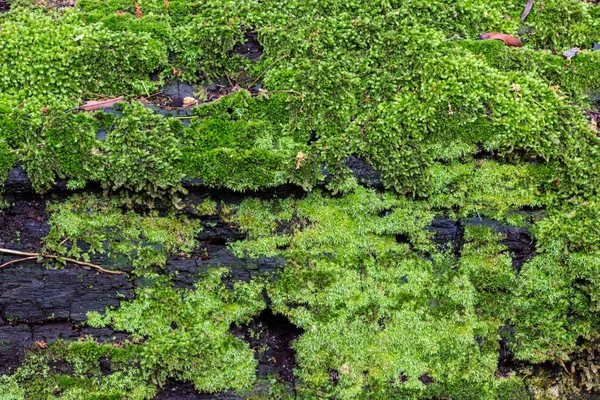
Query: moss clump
point(187, 332)
point(142, 153)
point(97, 226)
point(8, 159)
point(72, 370)
point(377, 314)
point(457, 128)
point(175, 334)
point(559, 24)
point(65, 147)
point(52, 56)
point(239, 143)
point(488, 188)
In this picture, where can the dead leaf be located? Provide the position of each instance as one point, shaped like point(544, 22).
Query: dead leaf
point(120, 13)
point(94, 105)
point(300, 159)
point(527, 9)
point(507, 39)
point(41, 344)
point(138, 11)
point(189, 101)
point(144, 101)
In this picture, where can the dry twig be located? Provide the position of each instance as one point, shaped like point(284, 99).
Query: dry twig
point(30, 256)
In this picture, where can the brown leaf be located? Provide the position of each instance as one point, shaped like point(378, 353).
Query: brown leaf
point(144, 100)
point(94, 105)
point(507, 39)
point(189, 101)
point(300, 159)
point(527, 9)
point(138, 11)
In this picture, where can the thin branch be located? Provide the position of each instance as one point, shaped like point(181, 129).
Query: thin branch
point(266, 69)
point(229, 79)
point(287, 91)
point(6, 264)
point(82, 263)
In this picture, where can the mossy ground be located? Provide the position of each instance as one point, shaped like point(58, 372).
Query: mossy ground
point(458, 128)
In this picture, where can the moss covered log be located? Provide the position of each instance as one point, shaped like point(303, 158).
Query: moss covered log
point(414, 210)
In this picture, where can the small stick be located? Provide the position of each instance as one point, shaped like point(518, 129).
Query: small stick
point(73, 261)
point(145, 88)
point(229, 79)
point(64, 241)
point(266, 69)
point(288, 91)
point(6, 264)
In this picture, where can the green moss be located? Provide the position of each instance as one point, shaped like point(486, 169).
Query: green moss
point(457, 127)
point(560, 24)
point(240, 144)
point(487, 188)
point(98, 226)
point(70, 57)
point(142, 154)
point(187, 332)
point(175, 334)
point(373, 310)
point(65, 147)
point(7, 158)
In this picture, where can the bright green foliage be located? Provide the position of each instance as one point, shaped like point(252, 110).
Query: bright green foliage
point(142, 154)
point(457, 127)
point(489, 267)
point(81, 378)
point(557, 299)
point(572, 228)
point(488, 188)
point(47, 55)
point(201, 35)
point(556, 306)
point(240, 144)
point(176, 334)
point(98, 226)
point(374, 311)
point(7, 159)
point(387, 81)
point(65, 147)
point(187, 332)
point(561, 24)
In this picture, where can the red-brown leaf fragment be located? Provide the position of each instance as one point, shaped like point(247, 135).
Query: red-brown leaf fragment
point(527, 9)
point(94, 105)
point(507, 39)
